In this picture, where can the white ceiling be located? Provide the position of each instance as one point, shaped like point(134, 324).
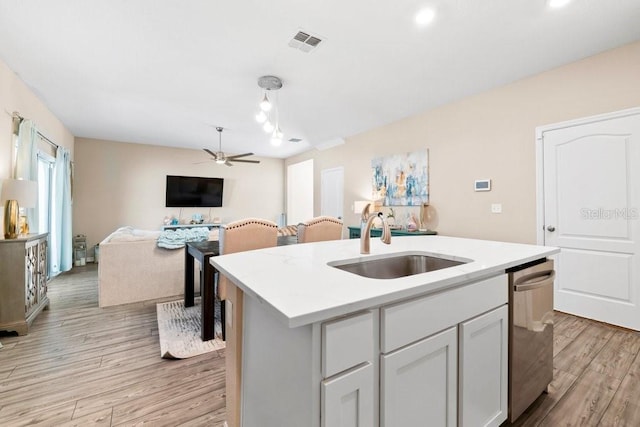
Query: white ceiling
point(165, 72)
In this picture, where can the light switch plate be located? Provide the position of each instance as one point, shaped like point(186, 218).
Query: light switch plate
point(496, 208)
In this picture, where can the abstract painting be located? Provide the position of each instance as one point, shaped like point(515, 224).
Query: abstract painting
point(401, 179)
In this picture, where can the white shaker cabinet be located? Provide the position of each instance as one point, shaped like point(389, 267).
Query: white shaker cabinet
point(411, 363)
point(349, 353)
point(348, 399)
point(418, 384)
point(483, 369)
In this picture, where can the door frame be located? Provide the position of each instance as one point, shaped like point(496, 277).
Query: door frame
point(322, 189)
point(540, 130)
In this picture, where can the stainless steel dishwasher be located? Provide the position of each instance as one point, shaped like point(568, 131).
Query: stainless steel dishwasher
point(530, 333)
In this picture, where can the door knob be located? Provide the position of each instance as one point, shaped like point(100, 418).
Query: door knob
point(551, 228)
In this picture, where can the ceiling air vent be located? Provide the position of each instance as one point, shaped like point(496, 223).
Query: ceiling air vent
point(305, 41)
point(295, 140)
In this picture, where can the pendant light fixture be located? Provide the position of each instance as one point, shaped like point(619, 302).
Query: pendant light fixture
point(268, 115)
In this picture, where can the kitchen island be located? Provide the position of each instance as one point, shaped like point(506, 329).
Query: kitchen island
point(315, 345)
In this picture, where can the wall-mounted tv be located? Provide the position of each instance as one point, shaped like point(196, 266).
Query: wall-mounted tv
point(194, 192)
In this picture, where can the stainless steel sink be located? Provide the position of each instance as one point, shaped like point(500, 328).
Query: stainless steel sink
point(396, 266)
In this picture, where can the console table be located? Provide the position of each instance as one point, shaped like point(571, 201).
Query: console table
point(354, 232)
point(23, 282)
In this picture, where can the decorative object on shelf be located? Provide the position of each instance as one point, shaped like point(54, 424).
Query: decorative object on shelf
point(222, 159)
point(17, 193)
point(401, 179)
point(428, 217)
point(412, 222)
point(391, 217)
point(269, 115)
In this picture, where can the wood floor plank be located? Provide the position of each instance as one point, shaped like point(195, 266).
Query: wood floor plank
point(170, 416)
point(186, 377)
point(560, 342)
point(138, 408)
point(210, 419)
point(624, 409)
point(613, 360)
point(52, 393)
point(97, 419)
point(571, 327)
point(585, 403)
point(577, 355)
point(51, 417)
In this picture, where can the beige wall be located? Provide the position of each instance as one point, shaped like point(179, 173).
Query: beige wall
point(118, 184)
point(16, 96)
point(490, 135)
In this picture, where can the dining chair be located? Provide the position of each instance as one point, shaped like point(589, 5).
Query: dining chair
point(319, 229)
point(243, 235)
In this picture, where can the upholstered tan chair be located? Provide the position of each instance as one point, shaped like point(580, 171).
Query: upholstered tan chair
point(244, 235)
point(319, 229)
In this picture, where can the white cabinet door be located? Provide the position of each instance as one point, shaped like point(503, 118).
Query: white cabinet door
point(483, 369)
point(419, 383)
point(348, 399)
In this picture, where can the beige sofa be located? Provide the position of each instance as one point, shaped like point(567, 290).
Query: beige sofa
point(133, 268)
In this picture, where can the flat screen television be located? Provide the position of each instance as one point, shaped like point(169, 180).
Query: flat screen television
point(194, 192)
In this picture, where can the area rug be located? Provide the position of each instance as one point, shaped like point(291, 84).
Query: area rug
point(179, 330)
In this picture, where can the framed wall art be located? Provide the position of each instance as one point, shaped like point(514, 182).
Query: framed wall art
point(401, 179)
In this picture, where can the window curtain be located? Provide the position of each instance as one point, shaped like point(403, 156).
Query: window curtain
point(26, 165)
point(61, 237)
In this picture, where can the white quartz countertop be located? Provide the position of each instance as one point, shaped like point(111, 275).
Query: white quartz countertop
point(295, 283)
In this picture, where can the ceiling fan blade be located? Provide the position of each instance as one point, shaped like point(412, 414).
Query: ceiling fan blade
point(239, 155)
point(210, 152)
point(227, 163)
point(243, 161)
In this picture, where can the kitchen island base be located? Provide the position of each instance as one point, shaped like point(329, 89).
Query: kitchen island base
point(327, 373)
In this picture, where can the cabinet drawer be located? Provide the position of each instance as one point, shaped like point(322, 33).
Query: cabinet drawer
point(347, 343)
point(407, 322)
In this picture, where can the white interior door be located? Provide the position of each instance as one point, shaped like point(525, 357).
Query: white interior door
point(300, 192)
point(591, 175)
point(331, 192)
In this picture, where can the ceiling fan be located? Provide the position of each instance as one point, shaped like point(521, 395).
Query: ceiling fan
point(221, 158)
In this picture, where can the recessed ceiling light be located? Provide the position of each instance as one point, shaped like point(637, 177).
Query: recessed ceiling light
point(557, 4)
point(425, 17)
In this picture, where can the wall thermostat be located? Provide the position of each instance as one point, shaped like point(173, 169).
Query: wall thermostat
point(482, 185)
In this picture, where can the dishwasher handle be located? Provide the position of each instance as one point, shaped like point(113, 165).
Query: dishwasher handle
point(534, 280)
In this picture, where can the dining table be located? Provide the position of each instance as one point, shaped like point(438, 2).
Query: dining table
point(202, 251)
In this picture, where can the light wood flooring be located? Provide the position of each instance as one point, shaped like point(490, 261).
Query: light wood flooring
point(82, 365)
point(596, 377)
